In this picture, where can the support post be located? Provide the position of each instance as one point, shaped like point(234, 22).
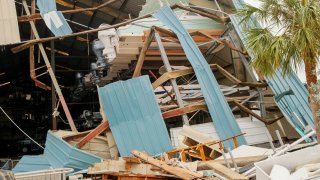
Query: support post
point(142, 55)
point(53, 78)
point(165, 60)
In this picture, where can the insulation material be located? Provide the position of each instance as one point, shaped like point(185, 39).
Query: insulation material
point(9, 28)
point(135, 117)
point(221, 114)
point(53, 19)
point(294, 106)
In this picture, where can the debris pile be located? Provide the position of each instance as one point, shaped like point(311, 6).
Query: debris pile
point(136, 138)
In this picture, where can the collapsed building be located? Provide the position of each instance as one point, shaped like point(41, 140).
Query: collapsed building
point(173, 83)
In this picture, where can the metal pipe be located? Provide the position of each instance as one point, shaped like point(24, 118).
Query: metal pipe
point(233, 161)
point(279, 137)
point(173, 81)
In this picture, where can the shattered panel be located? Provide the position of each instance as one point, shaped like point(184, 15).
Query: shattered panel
point(135, 118)
point(220, 112)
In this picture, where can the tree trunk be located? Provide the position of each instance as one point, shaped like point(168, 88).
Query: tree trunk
point(311, 77)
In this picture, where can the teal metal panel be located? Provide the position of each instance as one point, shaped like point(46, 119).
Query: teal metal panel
point(290, 104)
point(47, 6)
point(220, 112)
point(57, 154)
point(32, 163)
point(135, 118)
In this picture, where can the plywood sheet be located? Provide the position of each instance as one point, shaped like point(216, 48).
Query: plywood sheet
point(9, 29)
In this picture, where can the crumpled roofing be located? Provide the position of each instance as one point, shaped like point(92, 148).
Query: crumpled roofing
point(220, 112)
point(134, 116)
point(57, 154)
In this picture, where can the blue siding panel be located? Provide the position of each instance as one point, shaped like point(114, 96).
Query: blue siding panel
point(220, 112)
point(135, 118)
point(57, 154)
point(289, 104)
point(47, 6)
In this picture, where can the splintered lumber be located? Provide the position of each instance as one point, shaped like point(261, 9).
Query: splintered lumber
point(37, 41)
point(183, 110)
point(178, 73)
point(142, 55)
point(121, 168)
point(181, 173)
point(222, 170)
point(98, 130)
point(87, 11)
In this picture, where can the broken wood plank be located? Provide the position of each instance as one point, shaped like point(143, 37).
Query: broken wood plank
point(222, 170)
point(42, 40)
point(98, 130)
point(178, 73)
point(181, 173)
point(184, 110)
point(75, 136)
point(142, 55)
point(87, 11)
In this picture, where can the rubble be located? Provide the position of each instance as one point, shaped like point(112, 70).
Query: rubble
point(136, 138)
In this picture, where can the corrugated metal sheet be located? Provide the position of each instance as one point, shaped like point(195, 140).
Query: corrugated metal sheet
point(54, 19)
point(292, 105)
point(9, 29)
point(135, 117)
point(57, 154)
point(220, 112)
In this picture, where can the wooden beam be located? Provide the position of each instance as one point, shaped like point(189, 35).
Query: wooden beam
point(43, 40)
point(32, 42)
point(95, 132)
point(181, 173)
point(142, 55)
point(87, 11)
point(184, 110)
point(178, 73)
point(247, 110)
point(51, 73)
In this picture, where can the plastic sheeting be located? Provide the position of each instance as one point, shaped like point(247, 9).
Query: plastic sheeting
point(54, 19)
point(220, 112)
point(293, 106)
point(135, 118)
point(57, 154)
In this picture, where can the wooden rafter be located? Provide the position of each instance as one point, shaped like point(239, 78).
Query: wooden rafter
point(175, 74)
point(87, 11)
point(33, 42)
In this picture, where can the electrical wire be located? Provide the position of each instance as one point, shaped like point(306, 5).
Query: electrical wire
point(21, 129)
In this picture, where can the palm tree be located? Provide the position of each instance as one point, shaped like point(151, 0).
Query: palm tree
point(297, 41)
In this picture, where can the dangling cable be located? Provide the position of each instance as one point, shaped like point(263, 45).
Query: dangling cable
point(21, 129)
